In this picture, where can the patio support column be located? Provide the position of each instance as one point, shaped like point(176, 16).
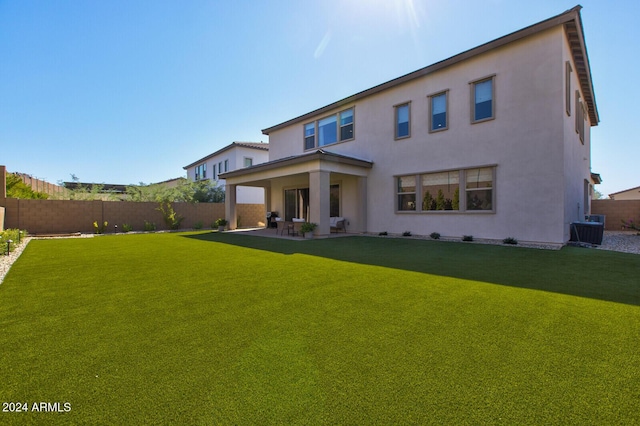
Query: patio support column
point(361, 204)
point(267, 203)
point(319, 205)
point(230, 207)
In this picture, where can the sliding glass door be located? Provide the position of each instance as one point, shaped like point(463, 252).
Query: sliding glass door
point(296, 203)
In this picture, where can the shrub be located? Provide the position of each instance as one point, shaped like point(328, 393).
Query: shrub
point(467, 238)
point(99, 229)
point(630, 224)
point(198, 225)
point(510, 240)
point(308, 227)
point(148, 226)
point(383, 233)
point(171, 218)
point(126, 227)
point(435, 235)
point(406, 234)
point(12, 235)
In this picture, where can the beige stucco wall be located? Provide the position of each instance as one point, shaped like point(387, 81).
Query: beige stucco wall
point(540, 163)
point(577, 154)
point(235, 156)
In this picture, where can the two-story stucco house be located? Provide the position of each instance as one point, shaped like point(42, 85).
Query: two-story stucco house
point(493, 142)
point(234, 156)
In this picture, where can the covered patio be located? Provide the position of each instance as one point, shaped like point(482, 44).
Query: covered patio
point(312, 186)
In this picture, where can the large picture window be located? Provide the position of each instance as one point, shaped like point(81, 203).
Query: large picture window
point(479, 188)
point(329, 130)
point(406, 193)
point(441, 191)
point(462, 190)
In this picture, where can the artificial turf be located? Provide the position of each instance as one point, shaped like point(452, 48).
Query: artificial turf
point(208, 328)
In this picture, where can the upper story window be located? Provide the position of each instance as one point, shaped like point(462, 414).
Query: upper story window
point(213, 171)
point(346, 125)
point(580, 114)
point(483, 96)
point(402, 127)
point(329, 130)
point(567, 87)
point(201, 171)
point(309, 136)
point(248, 162)
point(438, 117)
point(226, 165)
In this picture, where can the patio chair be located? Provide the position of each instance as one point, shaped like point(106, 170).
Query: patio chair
point(297, 224)
point(337, 223)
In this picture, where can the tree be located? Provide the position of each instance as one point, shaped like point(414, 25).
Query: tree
point(16, 188)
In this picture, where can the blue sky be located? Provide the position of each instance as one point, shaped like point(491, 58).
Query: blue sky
point(132, 91)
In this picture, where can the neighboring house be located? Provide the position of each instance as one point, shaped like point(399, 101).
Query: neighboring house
point(235, 156)
point(98, 191)
point(493, 142)
point(627, 194)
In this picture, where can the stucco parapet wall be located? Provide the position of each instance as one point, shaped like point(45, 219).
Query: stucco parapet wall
point(314, 161)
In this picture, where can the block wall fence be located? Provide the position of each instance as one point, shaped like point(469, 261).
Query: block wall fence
point(616, 211)
point(70, 216)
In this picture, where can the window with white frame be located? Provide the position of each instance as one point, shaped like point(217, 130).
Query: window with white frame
point(483, 100)
point(438, 116)
point(460, 190)
point(226, 165)
point(402, 121)
point(201, 171)
point(329, 130)
point(215, 177)
point(248, 161)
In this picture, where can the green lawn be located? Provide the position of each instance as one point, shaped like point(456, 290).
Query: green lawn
point(208, 328)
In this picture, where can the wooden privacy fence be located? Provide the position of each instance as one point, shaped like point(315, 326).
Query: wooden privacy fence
point(616, 211)
point(69, 216)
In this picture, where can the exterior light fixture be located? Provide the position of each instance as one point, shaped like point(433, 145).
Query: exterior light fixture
point(9, 246)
